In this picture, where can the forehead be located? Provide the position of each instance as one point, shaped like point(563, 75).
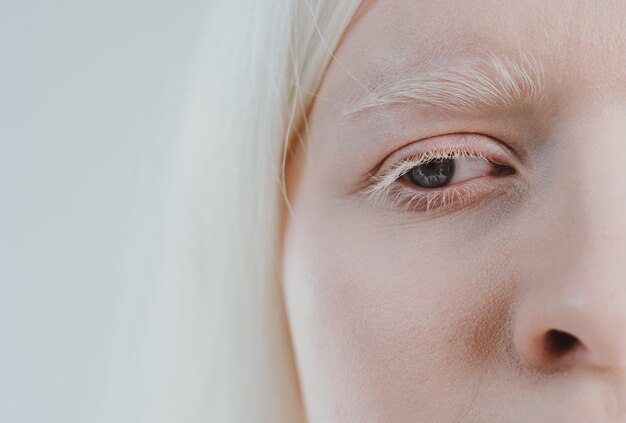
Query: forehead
point(580, 44)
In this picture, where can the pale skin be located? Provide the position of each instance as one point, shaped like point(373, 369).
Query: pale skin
point(502, 302)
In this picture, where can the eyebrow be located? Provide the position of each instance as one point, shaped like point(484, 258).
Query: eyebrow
point(465, 87)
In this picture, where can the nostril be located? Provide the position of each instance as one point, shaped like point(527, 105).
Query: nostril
point(560, 343)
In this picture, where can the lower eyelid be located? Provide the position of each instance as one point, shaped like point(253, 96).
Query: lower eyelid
point(401, 197)
point(448, 198)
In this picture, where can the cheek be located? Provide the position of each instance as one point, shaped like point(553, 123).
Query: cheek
point(388, 317)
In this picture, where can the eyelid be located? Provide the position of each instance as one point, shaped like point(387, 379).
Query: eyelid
point(386, 178)
point(470, 144)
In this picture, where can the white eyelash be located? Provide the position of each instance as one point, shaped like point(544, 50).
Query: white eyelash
point(381, 190)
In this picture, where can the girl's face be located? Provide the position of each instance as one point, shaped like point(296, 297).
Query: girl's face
point(456, 249)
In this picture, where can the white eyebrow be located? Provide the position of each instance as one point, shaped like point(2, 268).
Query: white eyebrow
point(462, 87)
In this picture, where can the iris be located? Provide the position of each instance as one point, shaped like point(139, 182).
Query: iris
point(433, 174)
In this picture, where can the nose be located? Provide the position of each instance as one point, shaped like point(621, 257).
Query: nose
point(572, 327)
point(571, 312)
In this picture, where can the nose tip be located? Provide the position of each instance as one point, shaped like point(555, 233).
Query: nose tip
point(574, 334)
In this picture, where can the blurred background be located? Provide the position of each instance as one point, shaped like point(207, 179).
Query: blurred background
point(92, 97)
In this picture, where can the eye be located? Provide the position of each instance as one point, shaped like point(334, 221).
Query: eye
point(444, 173)
point(440, 172)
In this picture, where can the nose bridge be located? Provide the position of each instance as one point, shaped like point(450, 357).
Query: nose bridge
point(598, 281)
point(599, 195)
point(601, 166)
point(574, 309)
point(592, 176)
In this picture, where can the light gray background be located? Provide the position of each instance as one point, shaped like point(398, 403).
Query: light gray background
point(91, 104)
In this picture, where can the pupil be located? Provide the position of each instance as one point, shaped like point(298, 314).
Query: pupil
point(433, 174)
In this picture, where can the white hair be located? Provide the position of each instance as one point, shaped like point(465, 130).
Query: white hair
point(216, 346)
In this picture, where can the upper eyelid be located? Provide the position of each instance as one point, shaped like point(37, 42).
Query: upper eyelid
point(452, 145)
point(450, 153)
point(469, 141)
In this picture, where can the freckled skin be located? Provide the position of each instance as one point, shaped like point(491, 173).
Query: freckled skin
point(396, 316)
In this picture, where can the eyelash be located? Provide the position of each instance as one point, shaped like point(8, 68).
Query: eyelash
point(387, 188)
